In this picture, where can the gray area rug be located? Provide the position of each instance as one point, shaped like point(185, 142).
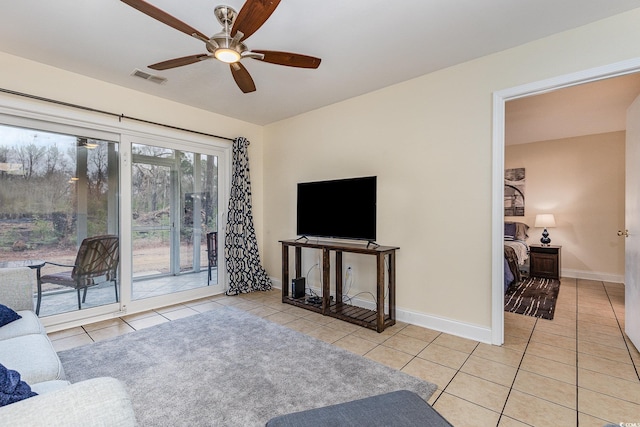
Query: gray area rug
point(227, 367)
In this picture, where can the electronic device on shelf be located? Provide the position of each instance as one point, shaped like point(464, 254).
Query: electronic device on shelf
point(298, 287)
point(342, 208)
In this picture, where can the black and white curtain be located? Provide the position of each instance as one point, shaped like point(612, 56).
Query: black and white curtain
point(240, 245)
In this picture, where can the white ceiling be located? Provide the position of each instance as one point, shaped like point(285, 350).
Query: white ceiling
point(364, 44)
point(586, 109)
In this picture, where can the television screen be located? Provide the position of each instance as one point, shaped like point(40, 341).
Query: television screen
point(343, 208)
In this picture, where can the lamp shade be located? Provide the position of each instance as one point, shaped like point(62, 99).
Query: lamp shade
point(545, 221)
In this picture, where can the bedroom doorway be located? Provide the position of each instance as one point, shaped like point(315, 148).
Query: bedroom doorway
point(500, 98)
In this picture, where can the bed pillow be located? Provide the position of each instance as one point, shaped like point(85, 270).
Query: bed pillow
point(521, 231)
point(516, 229)
point(509, 230)
point(12, 389)
point(7, 315)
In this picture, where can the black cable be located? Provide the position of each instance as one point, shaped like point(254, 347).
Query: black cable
point(311, 291)
point(386, 288)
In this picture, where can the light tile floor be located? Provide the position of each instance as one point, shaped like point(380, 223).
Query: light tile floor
point(578, 369)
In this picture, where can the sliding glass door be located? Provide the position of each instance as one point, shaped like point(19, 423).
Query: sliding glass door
point(159, 194)
point(174, 209)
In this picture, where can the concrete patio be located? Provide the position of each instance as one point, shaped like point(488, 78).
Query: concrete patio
point(66, 300)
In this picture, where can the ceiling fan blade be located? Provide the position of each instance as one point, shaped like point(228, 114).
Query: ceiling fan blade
point(253, 14)
point(289, 59)
point(165, 18)
point(242, 77)
point(179, 62)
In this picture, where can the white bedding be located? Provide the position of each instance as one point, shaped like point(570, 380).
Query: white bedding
point(521, 248)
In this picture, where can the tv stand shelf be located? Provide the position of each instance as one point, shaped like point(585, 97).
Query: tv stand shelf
point(376, 319)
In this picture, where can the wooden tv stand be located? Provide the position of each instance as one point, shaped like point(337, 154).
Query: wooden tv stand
point(377, 319)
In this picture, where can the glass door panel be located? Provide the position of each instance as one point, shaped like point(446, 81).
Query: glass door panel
point(174, 206)
point(198, 191)
point(152, 220)
point(56, 189)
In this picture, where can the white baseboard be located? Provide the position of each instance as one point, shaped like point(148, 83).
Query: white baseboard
point(277, 283)
point(592, 275)
point(449, 326)
point(441, 324)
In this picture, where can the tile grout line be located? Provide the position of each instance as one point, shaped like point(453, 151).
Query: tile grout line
point(626, 344)
point(577, 368)
point(577, 352)
point(517, 371)
point(454, 375)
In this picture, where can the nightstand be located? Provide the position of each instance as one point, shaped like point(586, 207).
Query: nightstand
point(544, 261)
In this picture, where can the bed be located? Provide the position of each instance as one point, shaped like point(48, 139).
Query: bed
point(516, 251)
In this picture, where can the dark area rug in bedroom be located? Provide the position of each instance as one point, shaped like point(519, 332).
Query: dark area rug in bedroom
point(533, 296)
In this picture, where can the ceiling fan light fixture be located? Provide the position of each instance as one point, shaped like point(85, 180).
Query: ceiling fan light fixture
point(229, 56)
point(227, 45)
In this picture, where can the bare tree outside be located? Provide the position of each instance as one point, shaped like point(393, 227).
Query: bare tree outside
point(38, 191)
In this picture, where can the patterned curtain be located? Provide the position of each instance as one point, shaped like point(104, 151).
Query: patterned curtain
point(240, 246)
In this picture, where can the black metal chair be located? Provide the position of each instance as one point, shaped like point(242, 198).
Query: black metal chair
point(96, 262)
point(212, 252)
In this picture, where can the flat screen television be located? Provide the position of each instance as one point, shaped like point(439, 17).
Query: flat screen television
point(341, 208)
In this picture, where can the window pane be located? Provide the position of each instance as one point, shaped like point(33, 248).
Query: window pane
point(56, 190)
point(174, 206)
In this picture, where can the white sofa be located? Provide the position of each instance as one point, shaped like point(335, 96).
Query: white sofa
point(25, 348)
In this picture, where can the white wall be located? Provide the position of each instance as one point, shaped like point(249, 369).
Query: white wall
point(429, 142)
point(581, 181)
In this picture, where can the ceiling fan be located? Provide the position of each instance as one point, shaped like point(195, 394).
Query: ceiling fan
point(227, 45)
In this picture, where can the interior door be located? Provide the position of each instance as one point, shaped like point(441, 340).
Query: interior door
point(632, 223)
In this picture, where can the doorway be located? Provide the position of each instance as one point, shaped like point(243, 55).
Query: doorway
point(500, 98)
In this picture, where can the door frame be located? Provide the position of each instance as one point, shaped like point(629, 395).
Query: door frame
point(174, 240)
point(497, 179)
point(195, 145)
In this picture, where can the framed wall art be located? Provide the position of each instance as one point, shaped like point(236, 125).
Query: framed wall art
point(514, 182)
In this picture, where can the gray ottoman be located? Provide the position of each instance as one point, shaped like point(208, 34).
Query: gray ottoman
point(396, 409)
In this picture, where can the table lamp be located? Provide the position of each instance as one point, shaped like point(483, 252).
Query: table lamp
point(545, 221)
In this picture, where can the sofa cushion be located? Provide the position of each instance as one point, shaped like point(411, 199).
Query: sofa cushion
point(12, 388)
point(27, 324)
point(7, 315)
point(33, 356)
point(98, 402)
point(16, 287)
point(49, 386)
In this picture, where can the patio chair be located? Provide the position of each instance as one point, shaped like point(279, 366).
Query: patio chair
point(212, 252)
point(96, 262)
